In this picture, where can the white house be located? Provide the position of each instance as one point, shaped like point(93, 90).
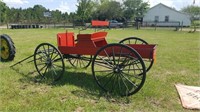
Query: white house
point(162, 15)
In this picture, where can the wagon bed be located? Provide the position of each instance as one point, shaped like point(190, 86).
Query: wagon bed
point(89, 44)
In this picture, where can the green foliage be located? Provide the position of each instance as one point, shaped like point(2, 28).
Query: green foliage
point(197, 23)
point(84, 9)
point(108, 10)
point(38, 13)
point(56, 16)
point(135, 8)
point(3, 11)
point(193, 11)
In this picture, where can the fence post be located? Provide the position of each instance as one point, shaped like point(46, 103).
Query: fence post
point(137, 25)
point(178, 26)
point(155, 25)
point(181, 25)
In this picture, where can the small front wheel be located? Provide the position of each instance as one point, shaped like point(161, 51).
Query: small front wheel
point(48, 63)
point(80, 61)
point(118, 69)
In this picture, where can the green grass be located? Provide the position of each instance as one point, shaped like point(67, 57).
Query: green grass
point(178, 58)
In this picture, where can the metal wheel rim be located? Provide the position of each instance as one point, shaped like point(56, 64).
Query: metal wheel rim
point(5, 49)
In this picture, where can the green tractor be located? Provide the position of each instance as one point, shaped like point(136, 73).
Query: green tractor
point(7, 48)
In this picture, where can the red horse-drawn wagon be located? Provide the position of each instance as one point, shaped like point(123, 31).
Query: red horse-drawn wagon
point(117, 68)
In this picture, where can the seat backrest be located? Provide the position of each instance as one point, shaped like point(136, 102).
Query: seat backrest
point(92, 40)
point(99, 35)
point(65, 39)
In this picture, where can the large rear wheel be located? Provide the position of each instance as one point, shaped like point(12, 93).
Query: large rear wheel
point(118, 69)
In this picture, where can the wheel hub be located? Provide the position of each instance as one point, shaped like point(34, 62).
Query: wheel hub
point(48, 62)
point(2, 49)
point(117, 69)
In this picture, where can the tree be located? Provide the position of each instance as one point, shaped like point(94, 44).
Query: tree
point(56, 16)
point(15, 15)
point(84, 9)
point(134, 8)
point(28, 15)
point(20, 16)
point(3, 12)
point(108, 10)
point(193, 11)
point(37, 14)
point(65, 17)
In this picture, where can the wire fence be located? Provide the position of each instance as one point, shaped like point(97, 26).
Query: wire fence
point(172, 25)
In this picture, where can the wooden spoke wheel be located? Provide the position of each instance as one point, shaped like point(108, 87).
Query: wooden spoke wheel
point(80, 61)
point(136, 40)
point(48, 63)
point(118, 69)
point(7, 48)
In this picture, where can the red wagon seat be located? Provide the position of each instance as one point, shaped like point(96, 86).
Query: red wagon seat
point(65, 39)
point(92, 40)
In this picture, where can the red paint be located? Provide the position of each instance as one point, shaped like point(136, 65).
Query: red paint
point(65, 39)
point(100, 23)
point(88, 44)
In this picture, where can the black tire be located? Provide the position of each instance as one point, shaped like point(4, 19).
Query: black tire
point(7, 48)
point(80, 61)
point(118, 69)
point(136, 40)
point(48, 63)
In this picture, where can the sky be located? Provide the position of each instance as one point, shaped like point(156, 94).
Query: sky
point(70, 5)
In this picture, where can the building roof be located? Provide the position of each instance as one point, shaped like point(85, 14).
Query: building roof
point(168, 8)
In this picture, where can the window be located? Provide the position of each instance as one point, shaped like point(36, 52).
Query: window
point(156, 18)
point(166, 18)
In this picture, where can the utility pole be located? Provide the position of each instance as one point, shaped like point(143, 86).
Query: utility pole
point(0, 12)
point(0, 15)
point(193, 2)
point(193, 19)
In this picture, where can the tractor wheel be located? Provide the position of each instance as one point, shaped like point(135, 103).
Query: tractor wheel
point(7, 48)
